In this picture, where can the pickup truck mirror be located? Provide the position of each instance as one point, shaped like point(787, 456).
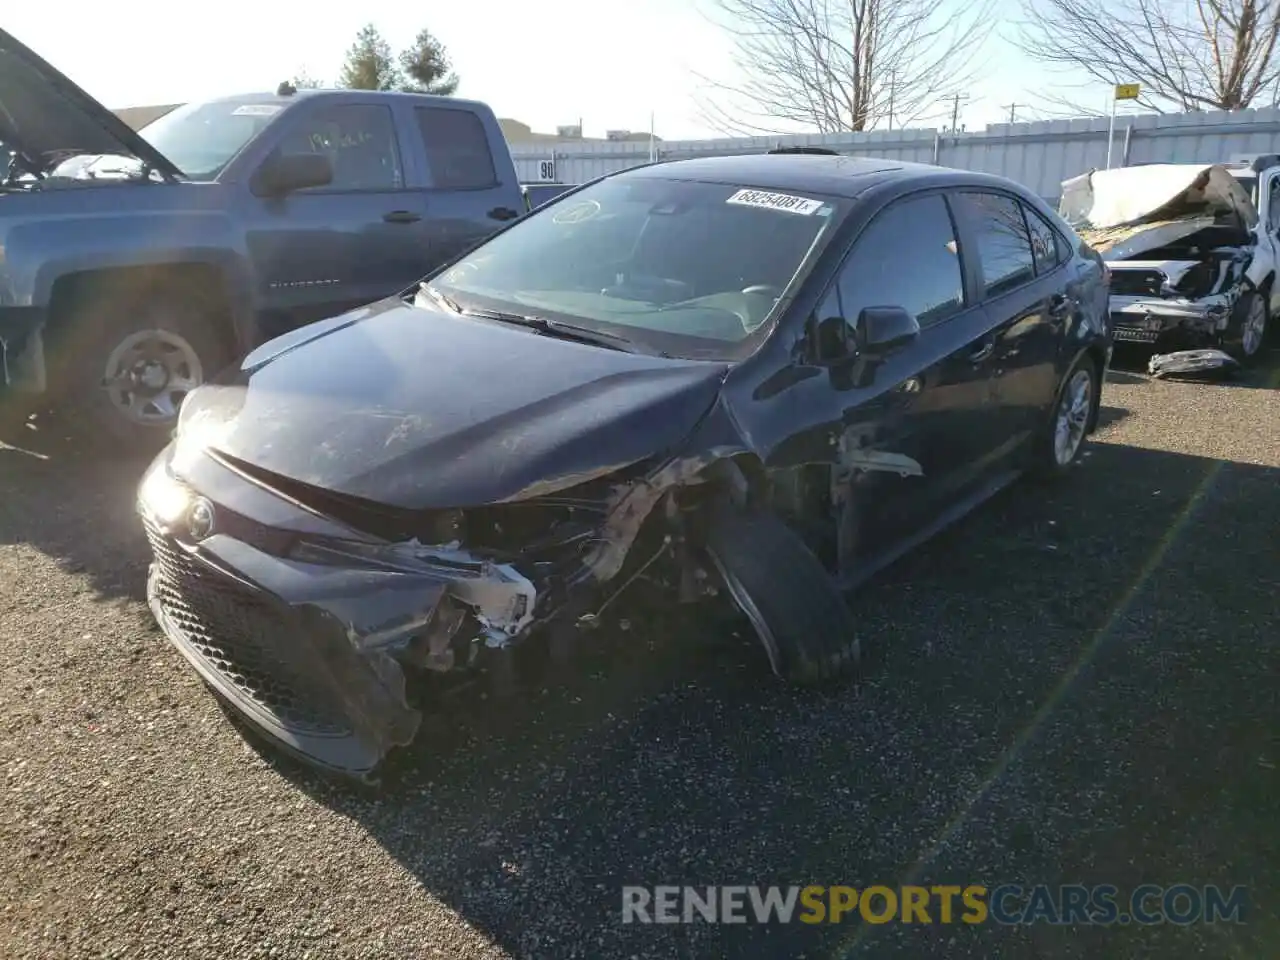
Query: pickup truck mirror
point(282, 174)
point(885, 330)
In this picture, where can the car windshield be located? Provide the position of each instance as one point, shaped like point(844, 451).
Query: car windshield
point(691, 269)
point(201, 138)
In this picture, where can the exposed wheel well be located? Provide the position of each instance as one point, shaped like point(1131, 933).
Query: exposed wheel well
point(200, 281)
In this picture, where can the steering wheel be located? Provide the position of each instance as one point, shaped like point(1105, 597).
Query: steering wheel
point(757, 290)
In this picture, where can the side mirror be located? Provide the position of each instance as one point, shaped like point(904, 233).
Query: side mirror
point(284, 173)
point(885, 330)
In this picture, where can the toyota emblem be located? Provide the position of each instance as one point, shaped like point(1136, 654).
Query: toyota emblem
point(200, 519)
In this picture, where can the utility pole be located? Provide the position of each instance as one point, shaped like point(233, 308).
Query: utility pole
point(892, 85)
point(1013, 111)
point(955, 99)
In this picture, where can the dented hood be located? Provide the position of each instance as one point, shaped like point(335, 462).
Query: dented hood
point(421, 409)
point(1153, 193)
point(43, 114)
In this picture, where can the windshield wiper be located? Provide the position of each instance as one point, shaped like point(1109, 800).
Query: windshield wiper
point(544, 325)
point(448, 302)
point(556, 328)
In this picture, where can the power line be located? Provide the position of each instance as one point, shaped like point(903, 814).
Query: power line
point(1013, 110)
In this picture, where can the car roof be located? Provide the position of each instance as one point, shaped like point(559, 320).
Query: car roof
point(339, 95)
point(839, 176)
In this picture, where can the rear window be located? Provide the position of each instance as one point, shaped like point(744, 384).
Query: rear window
point(458, 154)
point(1046, 244)
point(1004, 242)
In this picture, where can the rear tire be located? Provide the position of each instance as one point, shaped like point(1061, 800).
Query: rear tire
point(786, 593)
point(1061, 443)
point(122, 364)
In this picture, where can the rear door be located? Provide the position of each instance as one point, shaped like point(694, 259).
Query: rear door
point(466, 198)
point(1024, 291)
point(319, 251)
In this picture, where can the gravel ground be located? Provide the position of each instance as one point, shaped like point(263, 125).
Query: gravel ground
point(1076, 685)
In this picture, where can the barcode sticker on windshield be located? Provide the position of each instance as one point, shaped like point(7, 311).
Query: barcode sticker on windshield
point(256, 110)
point(776, 201)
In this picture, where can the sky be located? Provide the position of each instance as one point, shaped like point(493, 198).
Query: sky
point(609, 63)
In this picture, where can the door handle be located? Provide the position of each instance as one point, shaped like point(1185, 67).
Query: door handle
point(984, 351)
point(1059, 306)
point(503, 213)
point(402, 216)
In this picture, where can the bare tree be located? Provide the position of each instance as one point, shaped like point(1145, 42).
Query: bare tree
point(303, 80)
point(840, 65)
point(1186, 54)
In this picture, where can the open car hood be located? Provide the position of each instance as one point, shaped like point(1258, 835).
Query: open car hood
point(409, 407)
point(46, 117)
point(1153, 193)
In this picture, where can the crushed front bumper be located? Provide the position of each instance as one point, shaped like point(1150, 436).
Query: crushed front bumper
point(1151, 319)
point(312, 654)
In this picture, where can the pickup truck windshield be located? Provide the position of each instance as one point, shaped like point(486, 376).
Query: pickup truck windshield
point(691, 269)
point(200, 138)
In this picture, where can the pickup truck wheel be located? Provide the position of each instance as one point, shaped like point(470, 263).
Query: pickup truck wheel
point(1247, 331)
point(790, 599)
point(126, 380)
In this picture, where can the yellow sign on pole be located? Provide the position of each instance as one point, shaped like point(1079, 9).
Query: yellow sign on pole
point(1127, 91)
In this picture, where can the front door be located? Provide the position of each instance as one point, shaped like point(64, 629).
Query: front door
point(1268, 231)
point(323, 250)
point(906, 433)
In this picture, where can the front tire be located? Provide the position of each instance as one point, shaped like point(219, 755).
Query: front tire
point(786, 593)
point(124, 365)
point(1247, 331)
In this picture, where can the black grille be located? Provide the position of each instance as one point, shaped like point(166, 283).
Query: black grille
point(1137, 283)
point(237, 633)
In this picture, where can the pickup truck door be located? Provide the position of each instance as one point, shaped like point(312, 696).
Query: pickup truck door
point(323, 250)
point(469, 192)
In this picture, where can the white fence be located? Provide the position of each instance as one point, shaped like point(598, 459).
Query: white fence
point(1038, 155)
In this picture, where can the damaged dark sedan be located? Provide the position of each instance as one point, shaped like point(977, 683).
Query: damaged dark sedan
point(760, 378)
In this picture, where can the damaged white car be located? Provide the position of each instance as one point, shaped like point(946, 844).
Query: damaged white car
point(1192, 249)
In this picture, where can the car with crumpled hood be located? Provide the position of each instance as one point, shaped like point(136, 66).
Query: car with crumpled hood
point(750, 379)
point(1192, 250)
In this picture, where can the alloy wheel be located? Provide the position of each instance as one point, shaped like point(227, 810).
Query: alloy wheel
point(1255, 328)
point(1073, 416)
